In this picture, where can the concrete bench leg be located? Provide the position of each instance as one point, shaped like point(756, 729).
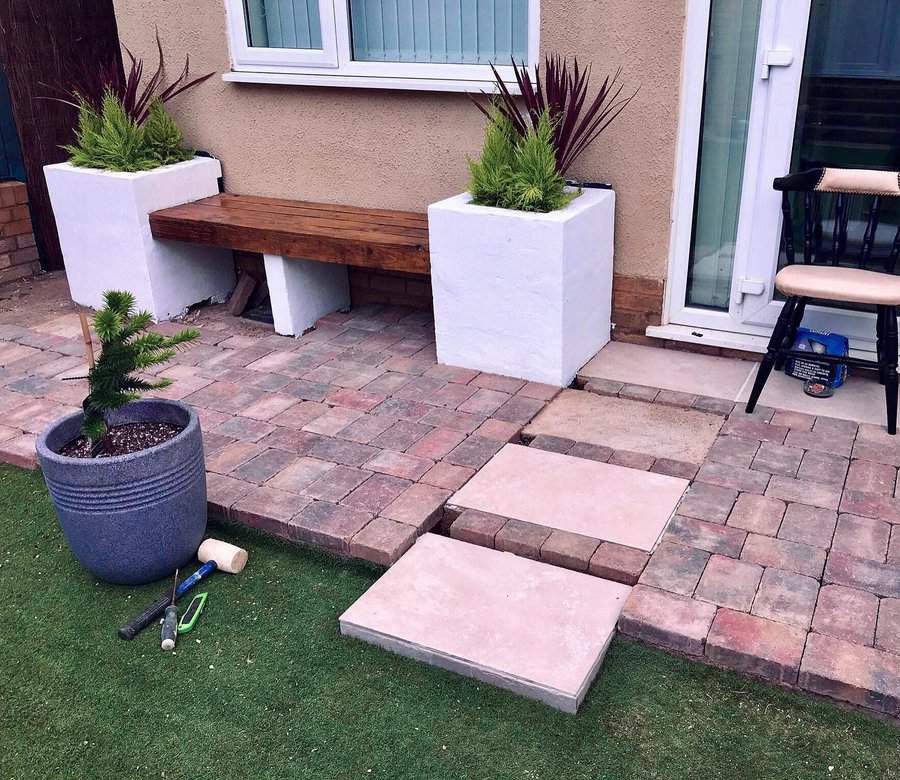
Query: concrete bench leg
point(301, 291)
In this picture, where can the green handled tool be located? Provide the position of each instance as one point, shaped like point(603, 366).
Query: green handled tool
point(192, 613)
point(170, 621)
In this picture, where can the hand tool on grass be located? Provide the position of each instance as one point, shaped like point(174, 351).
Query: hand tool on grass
point(192, 613)
point(214, 555)
point(170, 621)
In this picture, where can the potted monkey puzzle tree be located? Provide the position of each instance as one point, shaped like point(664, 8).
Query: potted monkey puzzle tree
point(127, 476)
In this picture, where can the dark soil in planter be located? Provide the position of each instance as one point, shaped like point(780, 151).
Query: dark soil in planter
point(123, 439)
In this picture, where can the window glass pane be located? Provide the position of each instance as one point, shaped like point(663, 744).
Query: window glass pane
point(728, 87)
point(452, 31)
point(284, 24)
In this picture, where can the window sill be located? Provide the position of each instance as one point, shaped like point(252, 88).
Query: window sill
point(364, 82)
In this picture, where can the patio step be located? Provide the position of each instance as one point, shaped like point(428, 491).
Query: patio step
point(537, 630)
point(565, 510)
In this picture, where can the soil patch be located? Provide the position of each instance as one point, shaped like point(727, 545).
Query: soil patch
point(123, 439)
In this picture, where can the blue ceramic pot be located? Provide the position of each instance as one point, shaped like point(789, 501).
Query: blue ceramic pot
point(130, 519)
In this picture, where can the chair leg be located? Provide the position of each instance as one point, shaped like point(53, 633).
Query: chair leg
point(776, 345)
point(889, 367)
point(791, 336)
point(880, 319)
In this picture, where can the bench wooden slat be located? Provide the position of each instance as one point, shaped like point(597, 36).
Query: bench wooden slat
point(366, 244)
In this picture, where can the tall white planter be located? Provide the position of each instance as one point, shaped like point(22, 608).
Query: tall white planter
point(522, 294)
point(104, 232)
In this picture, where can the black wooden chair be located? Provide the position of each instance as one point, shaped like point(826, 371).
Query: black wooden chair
point(824, 275)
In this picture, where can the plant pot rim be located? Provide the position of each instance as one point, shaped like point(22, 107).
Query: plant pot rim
point(589, 197)
point(48, 454)
point(67, 165)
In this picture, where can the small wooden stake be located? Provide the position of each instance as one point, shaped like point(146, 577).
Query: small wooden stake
point(86, 334)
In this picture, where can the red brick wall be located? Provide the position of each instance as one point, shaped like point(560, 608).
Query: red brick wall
point(636, 303)
point(393, 287)
point(18, 253)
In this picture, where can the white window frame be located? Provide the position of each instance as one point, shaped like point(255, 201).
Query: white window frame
point(333, 64)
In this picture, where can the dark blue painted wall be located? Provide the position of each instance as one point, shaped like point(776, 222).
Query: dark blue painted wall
point(11, 166)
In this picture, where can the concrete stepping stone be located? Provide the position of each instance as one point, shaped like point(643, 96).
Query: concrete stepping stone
point(605, 502)
point(537, 630)
point(622, 424)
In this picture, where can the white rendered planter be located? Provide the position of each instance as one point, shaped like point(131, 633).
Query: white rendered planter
point(104, 232)
point(522, 294)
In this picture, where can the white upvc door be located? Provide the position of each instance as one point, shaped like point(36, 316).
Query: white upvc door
point(723, 279)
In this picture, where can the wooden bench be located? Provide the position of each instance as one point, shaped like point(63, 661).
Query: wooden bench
point(306, 246)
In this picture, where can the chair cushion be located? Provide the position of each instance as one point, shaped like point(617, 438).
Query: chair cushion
point(830, 283)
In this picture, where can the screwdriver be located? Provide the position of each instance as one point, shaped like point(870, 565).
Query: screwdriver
point(170, 621)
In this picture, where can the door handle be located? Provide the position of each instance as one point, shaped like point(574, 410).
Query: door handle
point(776, 58)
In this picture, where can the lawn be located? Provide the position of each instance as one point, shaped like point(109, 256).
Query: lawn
point(266, 688)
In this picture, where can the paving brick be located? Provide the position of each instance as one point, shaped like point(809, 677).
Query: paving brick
point(419, 506)
point(667, 620)
point(759, 514)
point(711, 537)
point(887, 636)
point(618, 563)
point(777, 459)
point(706, 403)
point(756, 646)
point(870, 477)
point(387, 383)
point(544, 441)
point(846, 613)
point(808, 525)
point(871, 505)
point(804, 492)
point(521, 538)
point(733, 450)
point(676, 399)
point(782, 554)
point(675, 468)
point(455, 420)
point(403, 409)
point(519, 409)
point(269, 406)
point(760, 413)
point(436, 443)
point(484, 402)
point(732, 477)
point(222, 492)
point(879, 578)
point(332, 421)
point(452, 396)
point(894, 546)
point(452, 373)
point(401, 435)
point(591, 451)
point(864, 537)
point(291, 440)
point(360, 400)
point(729, 583)
point(382, 541)
point(300, 474)
point(306, 390)
point(539, 391)
point(748, 428)
point(477, 527)
point(504, 384)
point(571, 551)
point(786, 597)
point(795, 420)
point(860, 675)
point(300, 414)
point(336, 483)
point(213, 442)
point(329, 526)
point(376, 492)
point(474, 452)
point(399, 464)
point(35, 414)
point(832, 426)
point(632, 460)
point(264, 466)
point(268, 510)
point(244, 429)
point(603, 386)
point(675, 568)
point(365, 429)
point(19, 451)
point(347, 453)
point(446, 475)
point(420, 388)
point(832, 443)
point(707, 502)
point(229, 458)
point(874, 443)
point(639, 393)
point(498, 430)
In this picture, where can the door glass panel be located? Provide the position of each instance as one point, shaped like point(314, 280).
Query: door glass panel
point(728, 87)
point(847, 114)
point(284, 24)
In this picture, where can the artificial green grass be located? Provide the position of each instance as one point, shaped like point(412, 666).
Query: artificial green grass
point(266, 688)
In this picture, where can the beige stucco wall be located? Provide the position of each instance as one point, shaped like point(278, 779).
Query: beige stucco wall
point(394, 149)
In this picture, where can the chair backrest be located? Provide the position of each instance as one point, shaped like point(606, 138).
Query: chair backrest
point(836, 203)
